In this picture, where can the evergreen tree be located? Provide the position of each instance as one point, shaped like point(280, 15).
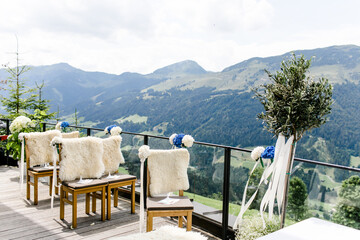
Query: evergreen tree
point(20, 99)
point(348, 208)
point(297, 207)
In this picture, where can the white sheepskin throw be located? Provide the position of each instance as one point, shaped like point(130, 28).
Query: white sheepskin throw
point(74, 134)
point(38, 144)
point(112, 156)
point(165, 233)
point(81, 157)
point(168, 170)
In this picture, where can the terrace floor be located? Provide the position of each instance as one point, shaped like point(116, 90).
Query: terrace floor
point(19, 219)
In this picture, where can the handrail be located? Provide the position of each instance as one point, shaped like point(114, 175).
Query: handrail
point(226, 230)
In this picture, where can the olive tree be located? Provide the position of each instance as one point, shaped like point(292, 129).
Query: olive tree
point(293, 104)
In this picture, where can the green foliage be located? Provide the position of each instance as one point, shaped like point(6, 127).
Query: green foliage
point(252, 228)
point(293, 103)
point(348, 208)
point(297, 207)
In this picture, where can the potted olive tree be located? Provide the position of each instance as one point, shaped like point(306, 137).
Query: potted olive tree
point(293, 104)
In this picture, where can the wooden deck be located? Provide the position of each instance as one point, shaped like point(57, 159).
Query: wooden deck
point(19, 219)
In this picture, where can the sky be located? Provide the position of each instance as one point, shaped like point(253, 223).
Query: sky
point(117, 36)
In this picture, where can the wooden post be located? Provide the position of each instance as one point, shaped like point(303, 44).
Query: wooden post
point(287, 180)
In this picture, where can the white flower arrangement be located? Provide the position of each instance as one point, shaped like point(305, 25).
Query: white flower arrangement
point(20, 123)
point(181, 140)
point(256, 153)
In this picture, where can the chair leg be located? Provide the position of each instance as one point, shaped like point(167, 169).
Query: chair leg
point(27, 187)
point(189, 221)
point(35, 190)
point(180, 221)
point(133, 197)
point(87, 203)
point(93, 202)
point(109, 202)
point(50, 185)
point(74, 210)
point(116, 196)
point(103, 200)
point(62, 209)
point(149, 222)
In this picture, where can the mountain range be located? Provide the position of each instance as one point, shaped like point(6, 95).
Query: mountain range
point(213, 107)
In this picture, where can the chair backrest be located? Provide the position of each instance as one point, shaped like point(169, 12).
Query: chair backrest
point(167, 171)
point(38, 149)
point(80, 157)
point(112, 156)
point(74, 134)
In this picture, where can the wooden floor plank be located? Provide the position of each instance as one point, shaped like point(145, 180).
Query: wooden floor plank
point(20, 219)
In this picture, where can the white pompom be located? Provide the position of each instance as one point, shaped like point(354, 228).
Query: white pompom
point(256, 153)
point(188, 141)
point(144, 152)
point(115, 131)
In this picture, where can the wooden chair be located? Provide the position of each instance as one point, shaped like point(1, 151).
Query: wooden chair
point(174, 163)
point(38, 152)
point(112, 157)
point(78, 158)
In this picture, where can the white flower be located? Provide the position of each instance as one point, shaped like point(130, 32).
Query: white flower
point(188, 141)
point(58, 126)
point(115, 131)
point(171, 138)
point(20, 123)
point(256, 153)
point(144, 152)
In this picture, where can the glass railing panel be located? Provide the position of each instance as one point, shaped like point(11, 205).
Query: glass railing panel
point(331, 194)
point(129, 147)
point(206, 173)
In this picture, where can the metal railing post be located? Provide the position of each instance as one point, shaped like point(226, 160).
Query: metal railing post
point(226, 190)
point(44, 127)
point(146, 142)
point(88, 132)
point(7, 126)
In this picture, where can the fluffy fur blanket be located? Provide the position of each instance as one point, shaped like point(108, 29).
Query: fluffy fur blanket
point(112, 156)
point(38, 145)
point(168, 170)
point(80, 157)
point(74, 134)
point(164, 233)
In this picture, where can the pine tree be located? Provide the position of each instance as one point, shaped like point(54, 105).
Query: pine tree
point(297, 207)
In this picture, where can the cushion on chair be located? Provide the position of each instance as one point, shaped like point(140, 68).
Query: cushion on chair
point(80, 157)
point(119, 178)
point(112, 156)
point(74, 134)
point(152, 203)
point(43, 169)
point(38, 144)
point(168, 170)
point(76, 185)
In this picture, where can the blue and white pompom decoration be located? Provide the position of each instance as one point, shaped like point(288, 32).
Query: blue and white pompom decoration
point(62, 126)
point(263, 153)
point(181, 140)
point(113, 130)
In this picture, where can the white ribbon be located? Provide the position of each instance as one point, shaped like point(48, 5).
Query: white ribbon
point(22, 160)
point(55, 159)
point(278, 175)
point(144, 152)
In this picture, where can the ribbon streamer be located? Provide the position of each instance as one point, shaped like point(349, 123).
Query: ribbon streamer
point(22, 160)
point(144, 152)
point(277, 171)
